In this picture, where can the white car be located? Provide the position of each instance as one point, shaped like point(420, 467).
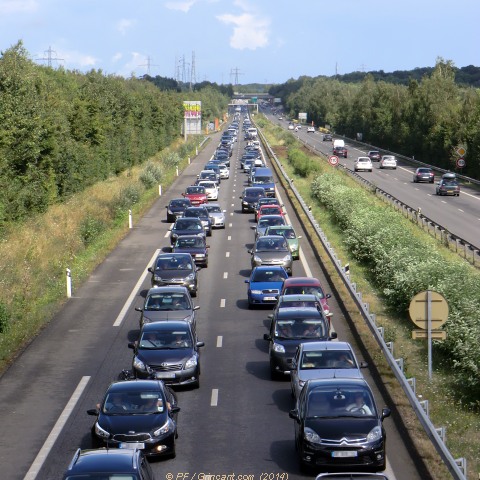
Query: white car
point(362, 163)
point(211, 189)
point(224, 171)
point(310, 129)
point(216, 214)
point(388, 161)
point(291, 127)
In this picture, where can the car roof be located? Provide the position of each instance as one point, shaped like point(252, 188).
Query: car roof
point(168, 288)
point(104, 460)
point(176, 255)
point(165, 325)
point(136, 385)
point(302, 281)
point(343, 381)
point(298, 297)
point(325, 345)
point(311, 312)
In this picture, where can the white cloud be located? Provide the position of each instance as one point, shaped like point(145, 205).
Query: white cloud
point(124, 24)
point(182, 6)
point(72, 60)
point(250, 31)
point(118, 56)
point(16, 6)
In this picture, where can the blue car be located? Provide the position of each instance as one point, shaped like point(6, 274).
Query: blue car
point(265, 284)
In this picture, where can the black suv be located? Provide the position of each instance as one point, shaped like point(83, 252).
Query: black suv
point(176, 207)
point(250, 198)
point(109, 463)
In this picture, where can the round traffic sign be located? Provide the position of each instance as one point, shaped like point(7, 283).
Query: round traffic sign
point(460, 162)
point(333, 160)
point(418, 309)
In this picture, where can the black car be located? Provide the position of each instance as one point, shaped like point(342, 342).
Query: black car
point(250, 198)
point(175, 269)
point(327, 137)
point(109, 463)
point(195, 245)
point(172, 302)
point(176, 207)
point(139, 414)
point(423, 174)
point(186, 226)
point(340, 152)
point(374, 155)
point(202, 214)
point(337, 424)
point(168, 351)
point(288, 329)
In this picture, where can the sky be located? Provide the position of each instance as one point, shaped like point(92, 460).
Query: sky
point(242, 41)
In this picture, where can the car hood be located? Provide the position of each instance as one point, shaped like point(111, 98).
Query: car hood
point(169, 274)
point(266, 285)
point(291, 345)
point(320, 373)
point(192, 250)
point(272, 255)
point(195, 196)
point(117, 424)
point(342, 427)
point(158, 356)
point(159, 315)
point(187, 232)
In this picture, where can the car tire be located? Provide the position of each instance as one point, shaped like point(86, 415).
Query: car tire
point(193, 293)
point(273, 373)
point(95, 442)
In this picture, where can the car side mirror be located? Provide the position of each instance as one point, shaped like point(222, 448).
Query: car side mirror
point(138, 309)
point(363, 364)
point(174, 409)
point(196, 307)
point(333, 336)
point(266, 336)
point(328, 295)
point(224, 211)
point(385, 413)
point(132, 345)
point(150, 269)
point(299, 236)
point(250, 251)
point(270, 316)
point(293, 414)
point(200, 344)
point(247, 281)
point(93, 411)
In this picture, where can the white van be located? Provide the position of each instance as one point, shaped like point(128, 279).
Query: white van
point(338, 143)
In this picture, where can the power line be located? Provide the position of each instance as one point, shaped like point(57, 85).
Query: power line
point(49, 56)
point(148, 65)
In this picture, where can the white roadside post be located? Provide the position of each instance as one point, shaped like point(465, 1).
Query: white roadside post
point(159, 190)
point(130, 221)
point(69, 283)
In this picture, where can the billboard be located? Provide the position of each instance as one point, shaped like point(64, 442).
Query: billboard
point(192, 117)
point(302, 116)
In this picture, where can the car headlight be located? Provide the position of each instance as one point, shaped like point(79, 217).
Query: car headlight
point(200, 255)
point(244, 202)
point(157, 278)
point(167, 427)
point(374, 434)
point(191, 362)
point(255, 292)
point(100, 432)
point(138, 364)
point(190, 277)
point(301, 383)
point(277, 347)
point(286, 258)
point(257, 259)
point(311, 436)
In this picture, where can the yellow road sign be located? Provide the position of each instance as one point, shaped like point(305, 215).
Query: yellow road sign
point(418, 309)
point(436, 334)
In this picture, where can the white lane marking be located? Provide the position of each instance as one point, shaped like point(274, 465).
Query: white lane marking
point(233, 205)
point(460, 210)
point(230, 225)
point(133, 293)
point(231, 214)
point(219, 341)
point(56, 430)
point(214, 398)
point(225, 274)
point(222, 303)
point(227, 254)
point(167, 234)
point(229, 237)
point(308, 272)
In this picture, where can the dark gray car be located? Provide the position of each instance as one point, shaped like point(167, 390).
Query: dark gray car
point(272, 250)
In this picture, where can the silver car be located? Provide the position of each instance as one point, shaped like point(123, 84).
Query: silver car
point(319, 360)
point(216, 214)
point(272, 250)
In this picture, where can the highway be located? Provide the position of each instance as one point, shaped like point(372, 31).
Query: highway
point(237, 421)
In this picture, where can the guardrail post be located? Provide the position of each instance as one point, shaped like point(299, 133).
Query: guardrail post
point(130, 220)
point(425, 406)
point(400, 363)
point(442, 431)
point(413, 384)
point(462, 463)
point(390, 347)
point(159, 190)
point(69, 282)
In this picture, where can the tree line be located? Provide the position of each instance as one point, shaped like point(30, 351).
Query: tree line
point(426, 119)
point(61, 131)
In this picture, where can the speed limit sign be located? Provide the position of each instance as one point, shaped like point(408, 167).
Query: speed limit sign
point(333, 160)
point(460, 162)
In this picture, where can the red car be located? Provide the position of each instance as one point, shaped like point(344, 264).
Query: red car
point(269, 210)
point(305, 285)
point(196, 194)
point(340, 152)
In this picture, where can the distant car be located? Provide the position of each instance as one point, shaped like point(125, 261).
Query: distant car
point(175, 269)
point(186, 226)
point(176, 207)
point(310, 129)
point(196, 195)
point(224, 171)
point(268, 210)
point(250, 197)
point(316, 360)
point(291, 127)
point(423, 174)
point(272, 250)
point(388, 161)
point(201, 213)
point(172, 302)
point(168, 351)
point(362, 164)
point(289, 328)
point(327, 137)
point(340, 152)
point(448, 185)
point(264, 285)
point(216, 214)
point(136, 414)
point(211, 189)
point(267, 221)
point(195, 245)
point(346, 409)
point(306, 285)
point(109, 463)
point(289, 233)
point(266, 201)
point(374, 155)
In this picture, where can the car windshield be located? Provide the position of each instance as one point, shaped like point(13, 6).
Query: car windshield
point(338, 401)
point(197, 242)
point(103, 476)
point(325, 359)
point(167, 301)
point(179, 203)
point(301, 328)
point(268, 222)
point(165, 340)
point(213, 209)
point(298, 304)
point(301, 290)
point(194, 189)
point(187, 225)
point(269, 276)
point(263, 180)
point(254, 193)
point(133, 403)
point(208, 184)
point(449, 183)
point(174, 263)
point(196, 213)
point(270, 210)
point(267, 244)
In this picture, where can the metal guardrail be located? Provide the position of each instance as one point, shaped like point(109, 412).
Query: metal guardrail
point(470, 252)
point(457, 467)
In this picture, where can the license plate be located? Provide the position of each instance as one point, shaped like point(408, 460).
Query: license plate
point(132, 445)
point(165, 375)
point(269, 299)
point(344, 454)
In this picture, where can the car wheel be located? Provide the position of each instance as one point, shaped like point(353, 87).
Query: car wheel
point(273, 373)
point(96, 442)
point(194, 293)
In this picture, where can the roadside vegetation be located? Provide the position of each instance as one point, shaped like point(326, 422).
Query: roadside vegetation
point(391, 260)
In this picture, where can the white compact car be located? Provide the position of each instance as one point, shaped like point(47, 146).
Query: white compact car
point(310, 129)
point(362, 163)
point(388, 161)
point(211, 189)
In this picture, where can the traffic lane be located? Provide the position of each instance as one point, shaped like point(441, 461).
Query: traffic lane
point(71, 346)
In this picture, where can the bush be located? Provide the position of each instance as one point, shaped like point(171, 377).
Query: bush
point(4, 318)
point(171, 159)
point(128, 197)
point(91, 228)
point(151, 175)
point(302, 164)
